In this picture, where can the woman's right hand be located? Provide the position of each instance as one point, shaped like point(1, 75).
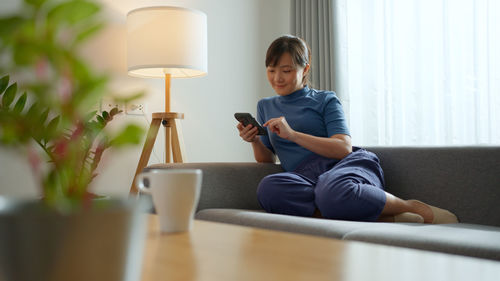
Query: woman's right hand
point(261, 153)
point(248, 133)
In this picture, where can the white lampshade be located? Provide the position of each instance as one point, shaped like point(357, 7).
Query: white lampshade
point(163, 40)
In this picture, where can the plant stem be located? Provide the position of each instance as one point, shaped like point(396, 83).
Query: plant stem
point(51, 157)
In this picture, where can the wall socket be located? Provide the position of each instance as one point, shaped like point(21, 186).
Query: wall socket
point(135, 109)
point(107, 105)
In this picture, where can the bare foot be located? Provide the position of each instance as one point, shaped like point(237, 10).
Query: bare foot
point(423, 210)
point(409, 217)
point(437, 215)
point(403, 217)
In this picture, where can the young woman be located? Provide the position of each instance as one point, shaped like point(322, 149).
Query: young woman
point(324, 175)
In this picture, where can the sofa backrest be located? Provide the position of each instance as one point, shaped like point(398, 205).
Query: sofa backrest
point(464, 180)
point(227, 185)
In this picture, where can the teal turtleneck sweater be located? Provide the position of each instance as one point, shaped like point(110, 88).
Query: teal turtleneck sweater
point(310, 111)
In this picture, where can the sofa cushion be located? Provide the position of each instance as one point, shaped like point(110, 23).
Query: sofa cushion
point(462, 239)
point(312, 226)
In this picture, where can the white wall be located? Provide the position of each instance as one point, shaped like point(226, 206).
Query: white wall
point(239, 32)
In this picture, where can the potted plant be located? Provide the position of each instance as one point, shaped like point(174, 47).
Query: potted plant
point(50, 115)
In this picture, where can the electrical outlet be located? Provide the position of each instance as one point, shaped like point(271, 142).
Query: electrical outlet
point(135, 109)
point(107, 105)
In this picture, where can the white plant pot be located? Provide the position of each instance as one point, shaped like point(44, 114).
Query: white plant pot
point(101, 244)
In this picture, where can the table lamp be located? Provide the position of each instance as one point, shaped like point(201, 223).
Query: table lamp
point(166, 42)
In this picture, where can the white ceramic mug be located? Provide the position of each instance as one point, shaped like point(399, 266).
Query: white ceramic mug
point(175, 193)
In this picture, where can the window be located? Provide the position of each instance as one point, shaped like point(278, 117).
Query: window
point(421, 72)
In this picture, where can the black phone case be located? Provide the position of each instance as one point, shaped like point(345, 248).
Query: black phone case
point(247, 118)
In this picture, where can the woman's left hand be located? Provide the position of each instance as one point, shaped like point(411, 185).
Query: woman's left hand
point(280, 127)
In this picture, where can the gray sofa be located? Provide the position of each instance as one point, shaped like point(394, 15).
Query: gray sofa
point(464, 180)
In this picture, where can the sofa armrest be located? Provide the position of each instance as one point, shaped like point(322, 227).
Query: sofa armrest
point(227, 185)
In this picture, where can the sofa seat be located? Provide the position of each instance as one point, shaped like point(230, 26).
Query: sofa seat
point(463, 239)
point(311, 226)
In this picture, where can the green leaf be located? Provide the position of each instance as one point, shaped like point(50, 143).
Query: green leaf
point(72, 12)
point(89, 116)
point(101, 120)
point(9, 26)
point(105, 115)
point(9, 135)
point(52, 127)
point(4, 82)
point(44, 116)
point(132, 134)
point(26, 54)
point(32, 112)
point(94, 126)
point(114, 111)
point(79, 67)
point(88, 32)
point(37, 124)
point(20, 103)
point(9, 95)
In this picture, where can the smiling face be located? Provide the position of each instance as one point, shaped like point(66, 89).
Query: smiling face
point(285, 77)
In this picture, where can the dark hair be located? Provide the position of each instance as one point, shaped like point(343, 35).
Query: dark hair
point(296, 47)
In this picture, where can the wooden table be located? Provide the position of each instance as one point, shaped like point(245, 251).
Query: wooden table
point(215, 251)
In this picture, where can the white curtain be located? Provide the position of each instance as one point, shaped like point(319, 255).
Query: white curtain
point(419, 72)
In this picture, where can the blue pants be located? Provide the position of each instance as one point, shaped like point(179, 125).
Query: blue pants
point(349, 189)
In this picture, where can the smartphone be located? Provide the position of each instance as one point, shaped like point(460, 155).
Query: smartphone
point(247, 118)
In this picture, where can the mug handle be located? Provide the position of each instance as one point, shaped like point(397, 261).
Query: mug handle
point(140, 183)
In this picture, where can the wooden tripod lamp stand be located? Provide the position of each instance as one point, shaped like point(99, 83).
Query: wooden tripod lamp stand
point(165, 42)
